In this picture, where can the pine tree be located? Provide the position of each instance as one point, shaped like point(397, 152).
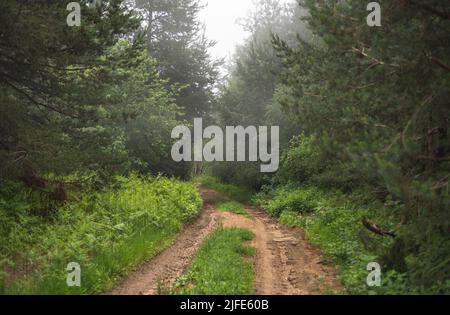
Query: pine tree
point(379, 97)
point(176, 38)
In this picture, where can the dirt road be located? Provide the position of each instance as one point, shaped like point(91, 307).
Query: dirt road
point(285, 264)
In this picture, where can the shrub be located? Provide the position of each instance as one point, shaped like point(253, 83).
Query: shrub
point(292, 219)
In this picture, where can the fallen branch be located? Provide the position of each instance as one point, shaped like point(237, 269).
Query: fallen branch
point(376, 229)
point(440, 63)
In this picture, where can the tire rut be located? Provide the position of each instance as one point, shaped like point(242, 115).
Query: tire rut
point(165, 268)
point(285, 263)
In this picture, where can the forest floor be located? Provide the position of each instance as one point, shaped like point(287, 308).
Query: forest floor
point(285, 263)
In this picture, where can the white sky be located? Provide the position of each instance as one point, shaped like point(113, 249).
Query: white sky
point(220, 18)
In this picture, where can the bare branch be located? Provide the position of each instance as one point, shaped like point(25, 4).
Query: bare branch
point(376, 229)
point(440, 63)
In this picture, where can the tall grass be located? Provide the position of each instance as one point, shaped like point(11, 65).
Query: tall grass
point(107, 233)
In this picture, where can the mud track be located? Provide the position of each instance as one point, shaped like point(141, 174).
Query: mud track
point(285, 263)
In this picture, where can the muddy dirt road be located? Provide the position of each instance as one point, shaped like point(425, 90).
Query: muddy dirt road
point(285, 263)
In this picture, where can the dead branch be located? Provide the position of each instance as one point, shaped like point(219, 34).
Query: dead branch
point(376, 229)
point(440, 63)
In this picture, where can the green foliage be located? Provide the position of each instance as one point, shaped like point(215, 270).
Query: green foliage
point(107, 233)
point(237, 193)
point(246, 98)
point(242, 174)
point(82, 98)
point(300, 161)
point(175, 37)
point(319, 161)
point(292, 219)
point(218, 264)
point(54, 114)
point(334, 224)
point(374, 101)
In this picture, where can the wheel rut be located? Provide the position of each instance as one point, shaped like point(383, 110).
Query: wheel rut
point(285, 263)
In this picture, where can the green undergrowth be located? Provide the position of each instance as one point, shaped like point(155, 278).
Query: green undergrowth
point(239, 194)
point(333, 222)
point(107, 233)
point(220, 267)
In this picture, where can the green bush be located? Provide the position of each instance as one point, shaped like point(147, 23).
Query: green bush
point(292, 219)
point(300, 161)
point(289, 200)
point(319, 161)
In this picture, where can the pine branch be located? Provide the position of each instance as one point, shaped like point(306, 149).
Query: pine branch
point(34, 101)
point(444, 15)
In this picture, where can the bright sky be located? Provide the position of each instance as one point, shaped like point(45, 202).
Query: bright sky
point(220, 18)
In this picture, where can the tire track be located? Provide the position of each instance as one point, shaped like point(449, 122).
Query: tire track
point(164, 269)
point(285, 263)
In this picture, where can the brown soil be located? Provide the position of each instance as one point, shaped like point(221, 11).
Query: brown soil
point(285, 263)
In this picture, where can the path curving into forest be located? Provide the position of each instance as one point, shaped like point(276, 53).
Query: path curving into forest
point(285, 263)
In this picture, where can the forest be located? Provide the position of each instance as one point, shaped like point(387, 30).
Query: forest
point(86, 138)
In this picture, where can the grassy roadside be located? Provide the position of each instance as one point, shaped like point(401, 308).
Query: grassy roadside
point(107, 233)
point(332, 221)
point(220, 267)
